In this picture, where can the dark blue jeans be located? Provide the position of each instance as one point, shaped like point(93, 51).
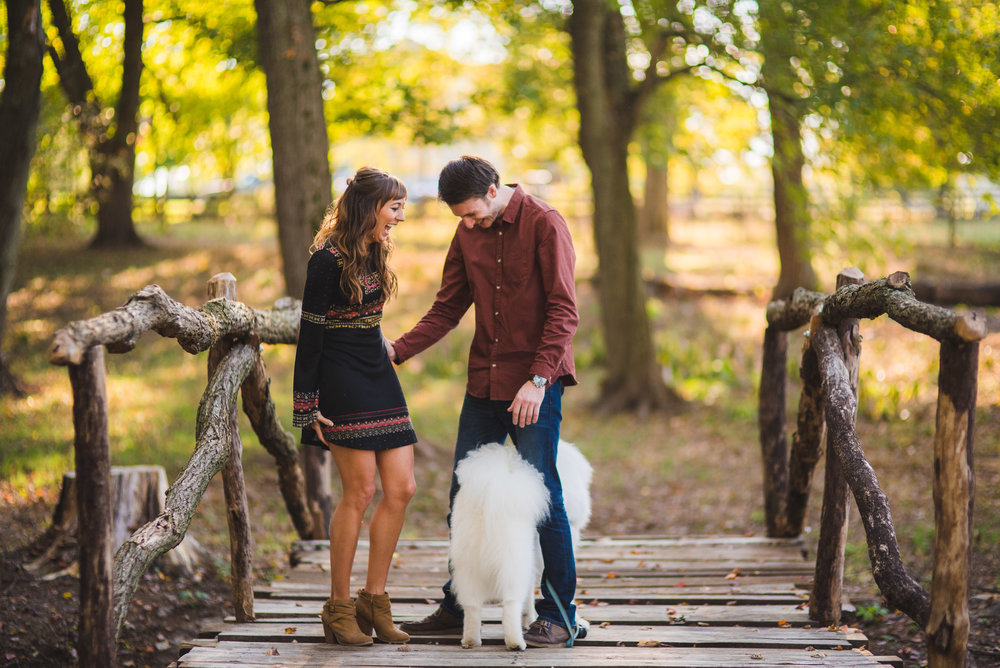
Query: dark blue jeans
point(485, 421)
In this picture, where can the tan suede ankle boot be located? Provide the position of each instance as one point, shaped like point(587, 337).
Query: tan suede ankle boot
point(374, 611)
point(340, 624)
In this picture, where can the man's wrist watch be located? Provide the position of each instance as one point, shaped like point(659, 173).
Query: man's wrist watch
point(539, 381)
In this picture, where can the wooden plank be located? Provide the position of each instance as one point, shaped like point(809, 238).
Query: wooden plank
point(603, 589)
point(256, 654)
point(597, 635)
point(638, 567)
point(691, 554)
point(748, 615)
point(587, 579)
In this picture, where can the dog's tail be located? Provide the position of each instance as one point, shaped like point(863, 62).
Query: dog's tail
point(500, 483)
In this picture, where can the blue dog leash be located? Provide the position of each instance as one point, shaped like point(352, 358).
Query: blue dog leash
point(574, 630)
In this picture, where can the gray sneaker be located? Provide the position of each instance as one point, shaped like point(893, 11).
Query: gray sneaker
point(439, 623)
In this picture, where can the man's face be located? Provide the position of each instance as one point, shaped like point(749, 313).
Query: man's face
point(478, 211)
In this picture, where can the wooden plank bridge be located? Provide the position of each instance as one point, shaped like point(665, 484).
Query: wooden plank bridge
point(686, 602)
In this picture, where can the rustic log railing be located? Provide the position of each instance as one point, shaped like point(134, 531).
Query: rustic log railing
point(828, 405)
point(233, 332)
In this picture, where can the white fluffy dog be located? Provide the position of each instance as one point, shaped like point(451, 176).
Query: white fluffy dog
point(494, 550)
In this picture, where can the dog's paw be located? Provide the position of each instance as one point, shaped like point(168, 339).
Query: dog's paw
point(515, 643)
point(470, 643)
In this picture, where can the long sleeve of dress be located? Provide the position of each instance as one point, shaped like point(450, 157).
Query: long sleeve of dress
point(322, 281)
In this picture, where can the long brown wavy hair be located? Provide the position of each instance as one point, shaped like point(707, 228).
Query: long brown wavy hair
point(349, 226)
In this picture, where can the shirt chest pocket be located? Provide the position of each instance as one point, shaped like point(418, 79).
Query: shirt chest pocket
point(515, 267)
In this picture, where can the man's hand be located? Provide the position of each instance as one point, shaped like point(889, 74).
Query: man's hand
point(526, 404)
point(390, 348)
point(318, 430)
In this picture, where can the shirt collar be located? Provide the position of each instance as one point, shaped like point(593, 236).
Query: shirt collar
point(513, 208)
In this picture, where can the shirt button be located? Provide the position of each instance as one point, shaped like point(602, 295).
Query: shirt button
point(498, 287)
point(494, 366)
point(496, 312)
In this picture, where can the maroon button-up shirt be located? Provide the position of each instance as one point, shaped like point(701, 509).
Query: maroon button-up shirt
point(519, 274)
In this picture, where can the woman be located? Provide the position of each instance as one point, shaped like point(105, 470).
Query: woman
point(347, 397)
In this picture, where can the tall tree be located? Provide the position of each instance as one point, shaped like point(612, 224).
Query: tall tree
point(299, 148)
point(110, 133)
point(301, 168)
point(779, 21)
point(20, 104)
point(609, 104)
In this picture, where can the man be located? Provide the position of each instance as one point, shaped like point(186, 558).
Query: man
point(511, 256)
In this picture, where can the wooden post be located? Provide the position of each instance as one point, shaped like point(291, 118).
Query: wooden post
point(825, 603)
point(947, 629)
point(97, 645)
point(318, 467)
point(771, 427)
point(234, 487)
point(807, 442)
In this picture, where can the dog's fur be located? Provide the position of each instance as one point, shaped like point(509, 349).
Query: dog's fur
point(494, 551)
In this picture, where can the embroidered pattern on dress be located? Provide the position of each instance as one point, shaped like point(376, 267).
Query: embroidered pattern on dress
point(354, 316)
point(313, 318)
point(304, 405)
point(368, 425)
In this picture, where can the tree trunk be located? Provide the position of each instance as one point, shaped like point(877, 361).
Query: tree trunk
point(655, 219)
point(137, 496)
point(634, 378)
point(112, 154)
point(20, 104)
point(791, 199)
point(302, 181)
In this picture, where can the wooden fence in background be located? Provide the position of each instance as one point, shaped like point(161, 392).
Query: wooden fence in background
point(233, 334)
point(828, 405)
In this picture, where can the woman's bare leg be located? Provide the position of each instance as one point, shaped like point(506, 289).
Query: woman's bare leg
point(357, 478)
point(395, 469)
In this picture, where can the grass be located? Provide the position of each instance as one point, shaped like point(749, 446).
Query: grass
point(696, 472)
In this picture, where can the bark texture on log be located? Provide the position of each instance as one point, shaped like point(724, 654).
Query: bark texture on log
point(196, 330)
point(771, 427)
point(899, 588)
point(807, 442)
point(793, 313)
point(893, 296)
point(97, 641)
point(947, 630)
point(223, 286)
point(213, 434)
point(826, 601)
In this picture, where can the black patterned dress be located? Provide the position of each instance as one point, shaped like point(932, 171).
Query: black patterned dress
point(341, 366)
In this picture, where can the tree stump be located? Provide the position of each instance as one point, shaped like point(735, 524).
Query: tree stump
point(137, 496)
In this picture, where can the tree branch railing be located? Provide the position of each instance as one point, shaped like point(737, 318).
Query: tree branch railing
point(828, 407)
point(234, 333)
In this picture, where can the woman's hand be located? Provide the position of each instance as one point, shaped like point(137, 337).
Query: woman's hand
point(390, 348)
point(319, 431)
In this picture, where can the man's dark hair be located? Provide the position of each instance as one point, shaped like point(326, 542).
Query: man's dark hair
point(466, 177)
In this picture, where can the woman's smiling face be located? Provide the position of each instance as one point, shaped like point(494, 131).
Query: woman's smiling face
point(390, 215)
